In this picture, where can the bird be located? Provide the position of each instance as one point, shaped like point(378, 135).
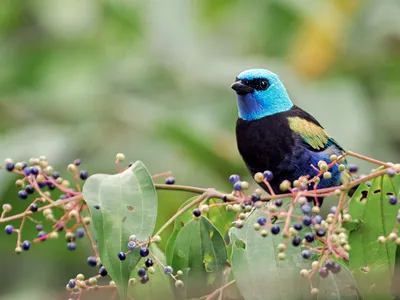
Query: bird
point(275, 135)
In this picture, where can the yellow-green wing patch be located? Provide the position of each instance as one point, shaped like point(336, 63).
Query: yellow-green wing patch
point(311, 133)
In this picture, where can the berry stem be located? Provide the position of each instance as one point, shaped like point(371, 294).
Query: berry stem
point(165, 174)
point(366, 158)
point(218, 291)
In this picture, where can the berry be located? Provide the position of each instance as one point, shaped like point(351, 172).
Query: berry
point(91, 260)
point(353, 168)
point(268, 175)
point(309, 237)
point(317, 219)
point(33, 207)
point(9, 229)
point(275, 229)
point(39, 227)
point(144, 279)
point(144, 252)
point(168, 270)
point(393, 200)
point(170, 180)
point(234, 178)
point(121, 256)
point(83, 174)
point(307, 221)
point(298, 226)
point(261, 220)
point(72, 283)
point(29, 189)
point(34, 171)
point(398, 218)
point(296, 241)
point(131, 245)
point(102, 271)
point(80, 232)
point(149, 262)
point(329, 264)
point(42, 234)
point(55, 175)
point(51, 186)
point(335, 269)
point(255, 197)
point(368, 183)
point(306, 208)
point(390, 172)
point(141, 272)
point(196, 212)
point(27, 171)
point(77, 162)
point(10, 166)
point(321, 232)
point(323, 272)
point(42, 184)
point(305, 254)
point(237, 186)
point(71, 246)
point(278, 202)
point(23, 194)
point(26, 245)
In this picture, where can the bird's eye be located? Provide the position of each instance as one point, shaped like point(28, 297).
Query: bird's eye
point(264, 84)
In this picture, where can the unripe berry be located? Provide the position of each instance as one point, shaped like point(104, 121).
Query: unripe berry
point(302, 200)
point(204, 208)
point(314, 291)
point(281, 256)
point(258, 177)
point(392, 236)
point(71, 168)
point(304, 273)
point(92, 281)
point(244, 185)
point(179, 284)
point(80, 277)
point(156, 239)
point(333, 157)
point(315, 210)
point(264, 233)
point(179, 273)
point(381, 239)
point(281, 247)
point(120, 157)
point(7, 207)
point(347, 218)
point(327, 175)
point(73, 214)
point(284, 186)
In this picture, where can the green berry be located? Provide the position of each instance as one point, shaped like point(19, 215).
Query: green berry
point(7, 207)
point(333, 157)
point(120, 157)
point(381, 239)
point(281, 256)
point(257, 226)
point(264, 233)
point(259, 177)
point(314, 291)
point(281, 247)
point(244, 185)
point(327, 175)
point(179, 273)
point(156, 239)
point(342, 167)
point(132, 281)
point(284, 186)
point(80, 277)
point(179, 284)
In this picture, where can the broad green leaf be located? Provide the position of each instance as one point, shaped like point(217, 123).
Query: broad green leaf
point(261, 275)
point(159, 286)
point(372, 263)
point(220, 217)
point(121, 205)
point(200, 252)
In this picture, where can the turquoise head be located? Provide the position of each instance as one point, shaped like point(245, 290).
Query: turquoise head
point(260, 93)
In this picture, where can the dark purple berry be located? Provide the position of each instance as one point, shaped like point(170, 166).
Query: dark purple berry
point(390, 172)
point(144, 279)
point(261, 220)
point(168, 270)
point(27, 171)
point(255, 197)
point(368, 183)
point(141, 272)
point(26, 245)
point(80, 232)
point(77, 162)
point(103, 271)
point(149, 262)
point(336, 268)
point(278, 202)
point(298, 226)
point(42, 184)
point(33, 207)
point(39, 227)
point(353, 168)
point(268, 175)
point(237, 186)
point(234, 178)
point(307, 221)
point(34, 171)
point(305, 254)
point(317, 219)
point(71, 246)
point(329, 264)
point(29, 189)
point(144, 252)
point(130, 164)
point(323, 272)
point(275, 229)
point(51, 186)
point(91, 260)
point(393, 200)
point(55, 175)
point(309, 237)
point(72, 283)
point(121, 256)
point(24, 164)
point(10, 166)
point(83, 174)
point(225, 198)
point(170, 180)
point(196, 212)
point(96, 207)
point(42, 234)
point(9, 229)
point(296, 241)
point(23, 194)
point(321, 232)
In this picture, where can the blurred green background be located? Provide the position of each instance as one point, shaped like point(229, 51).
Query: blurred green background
point(87, 79)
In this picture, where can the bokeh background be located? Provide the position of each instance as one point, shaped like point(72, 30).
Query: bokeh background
point(87, 79)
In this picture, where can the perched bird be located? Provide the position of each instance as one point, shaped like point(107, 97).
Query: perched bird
point(274, 134)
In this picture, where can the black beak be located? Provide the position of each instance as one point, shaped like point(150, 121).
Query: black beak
point(241, 88)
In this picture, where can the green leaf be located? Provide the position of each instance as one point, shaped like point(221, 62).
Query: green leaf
point(220, 217)
point(127, 205)
point(159, 286)
point(200, 252)
point(260, 274)
point(372, 263)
